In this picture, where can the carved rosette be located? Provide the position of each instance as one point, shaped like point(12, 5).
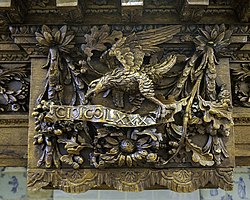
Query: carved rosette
point(123, 113)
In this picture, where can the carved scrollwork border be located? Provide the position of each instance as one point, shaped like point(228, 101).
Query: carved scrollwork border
point(178, 179)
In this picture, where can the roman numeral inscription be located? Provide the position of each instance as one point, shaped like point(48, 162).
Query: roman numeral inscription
point(102, 114)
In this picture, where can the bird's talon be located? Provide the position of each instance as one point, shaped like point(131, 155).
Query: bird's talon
point(161, 112)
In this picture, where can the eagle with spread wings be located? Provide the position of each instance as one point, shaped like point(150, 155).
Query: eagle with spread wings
point(134, 77)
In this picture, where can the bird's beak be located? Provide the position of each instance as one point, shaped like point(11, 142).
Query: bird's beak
point(111, 53)
point(94, 91)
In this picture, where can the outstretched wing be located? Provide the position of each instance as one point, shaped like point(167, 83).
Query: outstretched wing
point(130, 50)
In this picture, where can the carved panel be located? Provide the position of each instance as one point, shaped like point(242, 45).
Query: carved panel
point(127, 107)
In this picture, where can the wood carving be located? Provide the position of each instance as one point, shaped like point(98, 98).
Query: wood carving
point(123, 103)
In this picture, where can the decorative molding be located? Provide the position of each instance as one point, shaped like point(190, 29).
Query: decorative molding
point(133, 180)
point(14, 122)
point(14, 57)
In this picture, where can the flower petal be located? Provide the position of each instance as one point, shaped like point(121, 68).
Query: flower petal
point(228, 34)
point(222, 27)
point(217, 28)
point(46, 29)
point(63, 30)
point(129, 161)
point(68, 39)
point(214, 34)
point(111, 140)
point(200, 40)
point(205, 33)
point(38, 34)
point(58, 37)
point(208, 29)
point(48, 37)
point(220, 37)
point(41, 41)
point(121, 160)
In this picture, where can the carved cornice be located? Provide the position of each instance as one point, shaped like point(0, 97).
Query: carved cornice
point(37, 11)
point(178, 180)
point(24, 36)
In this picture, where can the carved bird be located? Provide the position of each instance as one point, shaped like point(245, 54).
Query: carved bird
point(133, 77)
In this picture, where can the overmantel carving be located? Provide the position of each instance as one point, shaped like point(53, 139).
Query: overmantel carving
point(124, 103)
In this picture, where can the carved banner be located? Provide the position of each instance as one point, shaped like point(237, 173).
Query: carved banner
point(102, 114)
point(98, 113)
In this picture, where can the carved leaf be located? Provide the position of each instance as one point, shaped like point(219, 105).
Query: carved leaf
point(152, 133)
point(69, 143)
point(143, 140)
point(98, 38)
point(217, 113)
point(205, 159)
point(75, 151)
point(111, 140)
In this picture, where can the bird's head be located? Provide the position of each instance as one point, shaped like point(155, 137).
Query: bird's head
point(112, 52)
point(97, 86)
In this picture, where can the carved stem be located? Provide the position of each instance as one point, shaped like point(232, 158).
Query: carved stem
point(187, 114)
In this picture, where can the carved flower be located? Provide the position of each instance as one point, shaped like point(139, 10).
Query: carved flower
point(216, 37)
point(201, 66)
point(126, 149)
point(15, 107)
point(55, 38)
